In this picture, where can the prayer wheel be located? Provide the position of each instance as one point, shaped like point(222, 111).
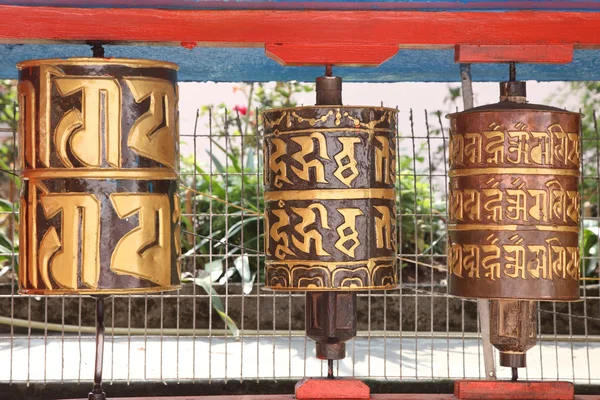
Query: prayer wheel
point(514, 209)
point(514, 200)
point(99, 152)
point(330, 209)
point(330, 198)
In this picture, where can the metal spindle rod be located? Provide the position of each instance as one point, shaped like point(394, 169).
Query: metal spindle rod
point(329, 369)
point(515, 374)
point(97, 49)
point(97, 393)
point(512, 72)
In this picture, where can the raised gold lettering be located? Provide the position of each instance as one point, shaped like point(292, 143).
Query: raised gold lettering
point(145, 251)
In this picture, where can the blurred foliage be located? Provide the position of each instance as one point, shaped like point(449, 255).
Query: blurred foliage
point(587, 96)
point(226, 196)
point(9, 183)
point(421, 212)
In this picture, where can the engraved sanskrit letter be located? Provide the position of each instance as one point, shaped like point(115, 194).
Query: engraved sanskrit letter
point(557, 200)
point(384, 228)
point(471, 260)
point(279, 167)
point(100, 117)
point(27, 137)
point(346, 161)
point(385, 161)
point(494, 146)
point(47, 72)
point(472, 204)
point(473, 147)
point(308, 216)
point(455, 259)
point(348, 241)
point(491, 262)
point(542, 152)
point(538, 267)
point(153, 135)
point(517, 200)
point(78, 247)
point(307, 147)
point(519, 147)
point(539, 210)
point(515, 266)
point(145, 251)
point(281, 238)
point(493, 203)
point(457, 144)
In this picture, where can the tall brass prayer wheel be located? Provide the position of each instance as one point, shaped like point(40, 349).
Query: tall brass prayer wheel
point(514, 202)
point(98, 142)
point(330, 198)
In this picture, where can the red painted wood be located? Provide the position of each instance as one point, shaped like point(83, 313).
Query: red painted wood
point(400, 396)
point(288, 54)
point(507, 390)
point(332, 389)
point(548, 54)
point(257, 27)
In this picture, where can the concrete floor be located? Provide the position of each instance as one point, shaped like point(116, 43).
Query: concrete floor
point(424, 358)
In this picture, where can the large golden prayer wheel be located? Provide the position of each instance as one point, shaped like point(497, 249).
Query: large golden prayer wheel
point(330, 198)
point(514, 201)
point(98, 142)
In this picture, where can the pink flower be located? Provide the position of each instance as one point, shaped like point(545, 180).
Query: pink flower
point(241, 109)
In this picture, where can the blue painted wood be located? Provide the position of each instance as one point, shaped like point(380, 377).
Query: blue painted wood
point(251, 64)
point(446, 5)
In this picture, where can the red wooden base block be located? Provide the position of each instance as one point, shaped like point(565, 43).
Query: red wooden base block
point(507, 390)
point(289, 54)
point(535, 53)
point(316, 389)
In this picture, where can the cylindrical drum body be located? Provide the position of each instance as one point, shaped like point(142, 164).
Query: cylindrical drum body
point(98, 142)
point(514, 202)
point(330, 200)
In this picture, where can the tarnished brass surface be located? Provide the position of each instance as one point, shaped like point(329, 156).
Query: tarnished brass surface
point(513, 330)
point(98, 144)
point(330, 200)
point(331, 322)
point(514, 202)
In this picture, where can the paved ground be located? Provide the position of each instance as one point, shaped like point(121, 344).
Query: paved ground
point(73, 359)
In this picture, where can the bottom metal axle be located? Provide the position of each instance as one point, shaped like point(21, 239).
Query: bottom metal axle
point(97, 393)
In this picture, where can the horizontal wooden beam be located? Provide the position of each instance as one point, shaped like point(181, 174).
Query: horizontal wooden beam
point(23, 24)
point(423, 5)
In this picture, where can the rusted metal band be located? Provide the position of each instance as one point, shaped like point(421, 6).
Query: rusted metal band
point(513, 171)
point(489, 227)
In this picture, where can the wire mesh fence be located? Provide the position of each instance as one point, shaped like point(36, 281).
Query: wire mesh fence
point(222, 324)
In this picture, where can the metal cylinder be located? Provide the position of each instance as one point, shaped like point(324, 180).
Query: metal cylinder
point(329, 198)
point(513, 330)
point(514, 201)
point(98, 142)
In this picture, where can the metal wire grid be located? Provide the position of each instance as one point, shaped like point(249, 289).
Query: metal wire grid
point(392, 343)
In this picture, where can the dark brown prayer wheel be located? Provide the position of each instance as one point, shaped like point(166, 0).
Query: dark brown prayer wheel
point(514, 200)
point(330, 197)
point(98, 142)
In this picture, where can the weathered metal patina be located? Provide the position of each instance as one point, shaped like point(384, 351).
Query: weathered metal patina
point(98, 142)
point(514, 213)
point(330, 198)
point(514, 201)
point(513, 330)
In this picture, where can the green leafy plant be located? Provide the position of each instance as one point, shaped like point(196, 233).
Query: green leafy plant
point(226, 196)
point(9, 183)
